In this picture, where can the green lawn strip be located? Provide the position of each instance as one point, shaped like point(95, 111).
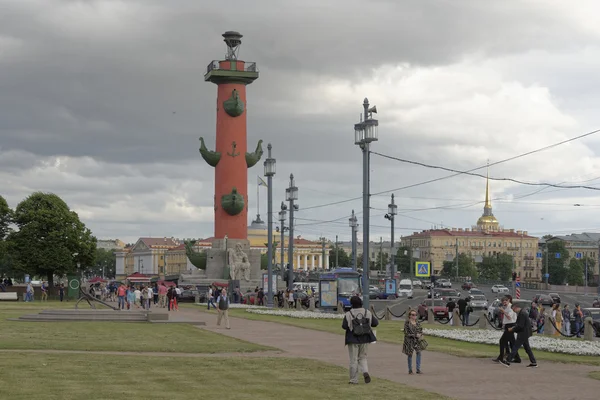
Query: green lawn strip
point(595, 375)
point(112, 336)
point(391, 332)
point(74, 376)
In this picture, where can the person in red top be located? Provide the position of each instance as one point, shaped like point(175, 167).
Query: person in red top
point(162, 295)
point(121, 292)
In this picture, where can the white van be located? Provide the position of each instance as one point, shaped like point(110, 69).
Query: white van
point(303, 286)
point(405, 288)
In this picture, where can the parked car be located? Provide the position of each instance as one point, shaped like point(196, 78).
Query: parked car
point(499, 289)
point(447, 294)
point(475, 291)
point(544, 300)
point(305, 300)
point(594, 313)
point(478, 302)
point(467, 285)
point(524, 304)
point(555, 297)
point(438, 306)
point(374, 292)
point(187, 296)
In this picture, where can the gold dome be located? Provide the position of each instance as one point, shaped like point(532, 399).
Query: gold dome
point(487, 220)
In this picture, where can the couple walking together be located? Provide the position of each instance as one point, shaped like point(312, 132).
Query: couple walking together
point(358, 324)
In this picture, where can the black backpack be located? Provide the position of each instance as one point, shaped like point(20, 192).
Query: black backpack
point(360, 324)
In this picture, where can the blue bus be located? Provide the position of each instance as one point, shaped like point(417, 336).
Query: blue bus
point(338, 286)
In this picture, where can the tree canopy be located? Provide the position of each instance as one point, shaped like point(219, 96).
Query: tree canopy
point(106, 262)
point(343, 258)
point(50, 240)
point(496, 268)
point(6, 262)
point(556, 266)
point(466, 267)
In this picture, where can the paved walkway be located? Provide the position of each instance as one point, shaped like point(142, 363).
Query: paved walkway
point(457, 377)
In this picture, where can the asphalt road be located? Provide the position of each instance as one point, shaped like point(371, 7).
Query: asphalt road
point(400, 305)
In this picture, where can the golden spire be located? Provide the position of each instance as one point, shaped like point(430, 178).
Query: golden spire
point(488, 202)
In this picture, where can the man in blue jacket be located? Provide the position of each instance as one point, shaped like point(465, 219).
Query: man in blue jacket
point(523, 330)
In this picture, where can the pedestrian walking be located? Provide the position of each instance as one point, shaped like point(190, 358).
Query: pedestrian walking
point(523, 330)
point(578, 317)
point(462, 310)
point(557, 318)
point(44, 291)
point(121, 293)
point(223, 309)
point(358, 323)
point(566, 316)
point(210, 298)
point(61, 292)
point(413, 341)
point(451, 305)
point(507, 340)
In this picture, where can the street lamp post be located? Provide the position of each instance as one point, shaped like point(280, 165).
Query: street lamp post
point(353, 222)
point(282, 217)
point(392, 211)
point(291, 195)
point(365, 132)
point(269, 173)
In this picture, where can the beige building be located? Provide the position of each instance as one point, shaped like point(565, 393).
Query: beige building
point(110, 244)
point(487, 238)
point(587, 243)
point(146, 256)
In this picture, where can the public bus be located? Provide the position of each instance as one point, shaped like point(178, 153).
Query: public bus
point(345, 282)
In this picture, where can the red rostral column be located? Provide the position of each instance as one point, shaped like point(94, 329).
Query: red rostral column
point(231, 159)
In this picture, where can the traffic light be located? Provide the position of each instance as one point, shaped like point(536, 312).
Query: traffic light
point(514, 276)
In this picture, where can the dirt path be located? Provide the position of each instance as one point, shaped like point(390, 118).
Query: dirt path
point(457, 377)
point(256, 354)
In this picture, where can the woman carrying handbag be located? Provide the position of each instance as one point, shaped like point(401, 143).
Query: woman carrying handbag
point(413, 340)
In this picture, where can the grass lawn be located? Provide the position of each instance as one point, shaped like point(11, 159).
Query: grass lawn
point(595, 375)
point(69, 376)
point(391, 331)
point(109, 336)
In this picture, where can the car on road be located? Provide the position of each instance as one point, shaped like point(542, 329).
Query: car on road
point(405, 288)
point(305, 299)
point(475, 291)
point(443, 283)
point(467, 286)
point(478, 302)
point(447, 294)
point(417, 284)
point(435, 291)
point(499, 289)
point(438, 306)
point(555, 297)
point(374, 292)
point(544, 299)
point(524, 304)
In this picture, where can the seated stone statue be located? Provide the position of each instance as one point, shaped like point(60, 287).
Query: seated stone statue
point(238, 263)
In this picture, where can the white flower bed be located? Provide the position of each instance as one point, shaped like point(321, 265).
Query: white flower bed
point(296, 314)
point(545, 343)
point(237, 305)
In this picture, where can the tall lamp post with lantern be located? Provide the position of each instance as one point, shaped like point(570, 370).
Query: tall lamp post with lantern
point(392, 212)
point(269, 173)
point(291, 195)
point(353, 222)
point(365, 132)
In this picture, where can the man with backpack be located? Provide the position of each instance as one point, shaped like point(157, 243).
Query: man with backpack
point(358, 323)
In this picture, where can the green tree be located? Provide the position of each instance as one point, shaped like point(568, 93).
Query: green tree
point(575, 272)
point(496, 268)
point(556, 266)
point(466, 267)
point(6, 262)
point(359, 262)
point(50, 240)
point(504, 264)
point(106, 262)
point(343, 258)
point(403, 260)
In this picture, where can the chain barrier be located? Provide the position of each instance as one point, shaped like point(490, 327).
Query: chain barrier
point(492, 324)
point(377, 316)
point(443, 323)
point(397, 316)
point(463, 321)
point(560, 331)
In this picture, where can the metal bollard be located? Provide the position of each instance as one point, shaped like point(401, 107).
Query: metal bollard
point(388, 314)
point(588, 331)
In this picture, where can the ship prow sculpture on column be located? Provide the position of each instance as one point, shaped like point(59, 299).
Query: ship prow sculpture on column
point(230, 257)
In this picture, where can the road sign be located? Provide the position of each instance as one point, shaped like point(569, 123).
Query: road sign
point(546, 275)
point(538, 255)
point(578, 255)
point(423, 269)
point(557, 255)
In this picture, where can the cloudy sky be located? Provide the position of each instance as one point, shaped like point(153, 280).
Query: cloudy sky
point(102, 103)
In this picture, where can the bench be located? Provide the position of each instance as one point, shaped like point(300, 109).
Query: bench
point(10, 296)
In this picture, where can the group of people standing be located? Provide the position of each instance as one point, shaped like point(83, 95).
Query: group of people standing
point(132, 296)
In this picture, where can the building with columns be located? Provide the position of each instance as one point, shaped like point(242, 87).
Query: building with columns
point(487, 238)
point(146, 256)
